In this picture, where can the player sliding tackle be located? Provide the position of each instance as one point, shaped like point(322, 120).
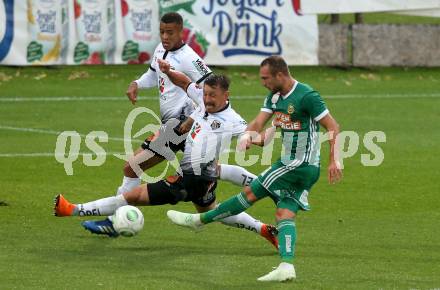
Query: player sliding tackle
point(299, 110)
point(174, 105)
point(214, 124)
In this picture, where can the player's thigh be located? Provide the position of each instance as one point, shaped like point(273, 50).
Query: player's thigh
point(144, 159)
point(169, 191)
point(151, 162)
point(166, 148)
point(259, 185)
point(292, 188)
point(138, 195)
point(292, 183)
point(200, 189)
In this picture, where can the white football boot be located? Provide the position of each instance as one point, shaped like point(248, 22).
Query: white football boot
point(185, 219)
point(284, 272)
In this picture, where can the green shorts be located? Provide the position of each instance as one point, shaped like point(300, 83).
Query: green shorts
point(286, 185)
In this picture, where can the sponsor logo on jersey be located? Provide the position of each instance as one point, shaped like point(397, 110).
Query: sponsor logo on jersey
point(200, 67)
point(286, 122)
point(215, 125)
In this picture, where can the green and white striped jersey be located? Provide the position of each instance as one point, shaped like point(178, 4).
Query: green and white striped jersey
point(299, 112)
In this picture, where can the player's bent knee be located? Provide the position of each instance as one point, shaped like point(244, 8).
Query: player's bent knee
point(284, 213)
point(130, 197)
point(250, 195)
point(137, 196)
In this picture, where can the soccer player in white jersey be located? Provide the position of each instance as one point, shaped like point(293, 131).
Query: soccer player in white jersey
point(214, 123)
point(174, 105)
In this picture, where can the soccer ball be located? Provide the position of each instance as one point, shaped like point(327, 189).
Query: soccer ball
point(128, 221)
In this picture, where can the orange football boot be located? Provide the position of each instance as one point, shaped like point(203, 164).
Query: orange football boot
point(270, 232)
point(62, 206)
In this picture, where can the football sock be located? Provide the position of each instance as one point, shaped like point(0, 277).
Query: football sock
point(104, 206)
point(287, 239)
point(128, 183)
point(236, 174)
point(232, 206)
point(243, 221)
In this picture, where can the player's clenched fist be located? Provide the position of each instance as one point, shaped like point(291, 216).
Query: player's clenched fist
point(164, 65)
point(244, 142)
point(132, 92)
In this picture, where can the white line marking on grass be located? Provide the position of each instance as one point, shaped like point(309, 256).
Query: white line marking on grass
point(70, 99)
point(382, 96)
point(52, 154)
point(52, 132)
point(260, 97)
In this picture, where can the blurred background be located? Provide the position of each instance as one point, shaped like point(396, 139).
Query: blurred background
point(313, 32)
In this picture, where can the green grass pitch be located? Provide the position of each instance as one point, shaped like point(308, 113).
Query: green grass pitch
point(378, 229)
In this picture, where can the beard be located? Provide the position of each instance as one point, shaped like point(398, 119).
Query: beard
point(276, 89)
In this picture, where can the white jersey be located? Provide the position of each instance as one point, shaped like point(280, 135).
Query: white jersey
point(209, 136)
point(173, 100)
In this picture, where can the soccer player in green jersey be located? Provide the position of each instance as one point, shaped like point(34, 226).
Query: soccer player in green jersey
point(299, 111)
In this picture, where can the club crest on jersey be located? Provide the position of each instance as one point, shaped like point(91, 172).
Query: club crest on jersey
point(215, 125)
point(290, 109)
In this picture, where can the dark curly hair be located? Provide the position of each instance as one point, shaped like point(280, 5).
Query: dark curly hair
point(221, 81)
point(172, 17)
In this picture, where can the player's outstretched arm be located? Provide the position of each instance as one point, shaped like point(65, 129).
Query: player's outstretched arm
point(147, 80)
point(334, 168)
point(252, 134)
point(267, 135)
point(132, 92)
point(259, 122)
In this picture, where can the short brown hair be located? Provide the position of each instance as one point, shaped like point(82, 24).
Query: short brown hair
point(276, 64)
